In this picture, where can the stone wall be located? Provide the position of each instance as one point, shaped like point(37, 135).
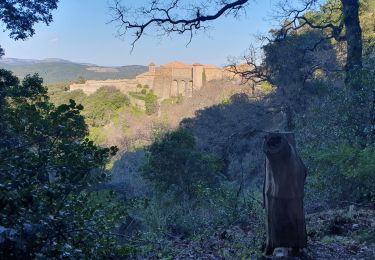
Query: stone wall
point(182, 73)
point(198, 76)
point(90, 86)
point(162, 83)
point(146, 79)
point(213, 74)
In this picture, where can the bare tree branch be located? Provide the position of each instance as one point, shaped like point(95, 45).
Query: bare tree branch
point(247, 68)
point(166, 18)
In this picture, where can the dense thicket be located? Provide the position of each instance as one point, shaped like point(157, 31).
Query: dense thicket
point(99, 107)
point(47, 166)
point(173, 163)
point(335, 121)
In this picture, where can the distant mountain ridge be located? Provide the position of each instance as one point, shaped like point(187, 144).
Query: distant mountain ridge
point(54, 70)
point(17, 62)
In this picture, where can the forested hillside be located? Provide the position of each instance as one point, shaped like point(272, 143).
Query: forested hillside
point(65, 71)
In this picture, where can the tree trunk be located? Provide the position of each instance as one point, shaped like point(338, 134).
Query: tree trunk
point(350, 10)
point(283, 193)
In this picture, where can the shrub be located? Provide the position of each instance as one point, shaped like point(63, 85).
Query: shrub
point(350, 167)
point(63, 97)
point(47, 169)
point(151, 103)
point(173, 163)
point(101, 106)
point(267, 87)
point(81, 80)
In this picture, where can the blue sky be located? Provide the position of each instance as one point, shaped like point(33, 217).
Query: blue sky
point(80, 33)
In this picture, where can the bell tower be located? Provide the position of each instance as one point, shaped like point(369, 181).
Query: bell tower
point(151, 67)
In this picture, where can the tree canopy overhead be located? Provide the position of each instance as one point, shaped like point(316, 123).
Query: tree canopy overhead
point(173, 16)
point(20, 16)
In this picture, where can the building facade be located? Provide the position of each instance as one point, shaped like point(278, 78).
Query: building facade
point(169, 80)
point(178, 78)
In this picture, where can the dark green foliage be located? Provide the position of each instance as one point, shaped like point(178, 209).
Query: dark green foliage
point(46, 168)
point(151, 103)
point(20, 17)
point(174, 163)
point(329, 12)
point(345, 157)
point(144, 91)
point(350, 167)
point(191, 197)
point(334, 122)
point(291, 62)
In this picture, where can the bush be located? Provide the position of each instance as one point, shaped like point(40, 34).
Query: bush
point(47, 169)
point(173, 163)
point(350, 167)
point(167, 215)
point(151, 103)
point(144, 91)
point(267, 87)
point(81, 80)
point(99, 107)
point(63, 98)
point(102, 105)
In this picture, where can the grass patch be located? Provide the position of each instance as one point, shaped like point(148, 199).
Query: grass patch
point(172, 101)
point(137, 95)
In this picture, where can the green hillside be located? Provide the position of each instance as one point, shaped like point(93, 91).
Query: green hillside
point(58, 72)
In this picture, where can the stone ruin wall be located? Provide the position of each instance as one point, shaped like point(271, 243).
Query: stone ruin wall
point(213, 74)
point(147, 79)
point(90, 86)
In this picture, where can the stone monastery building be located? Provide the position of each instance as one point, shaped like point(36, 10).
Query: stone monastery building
point(172, 79)
point(177, 78)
